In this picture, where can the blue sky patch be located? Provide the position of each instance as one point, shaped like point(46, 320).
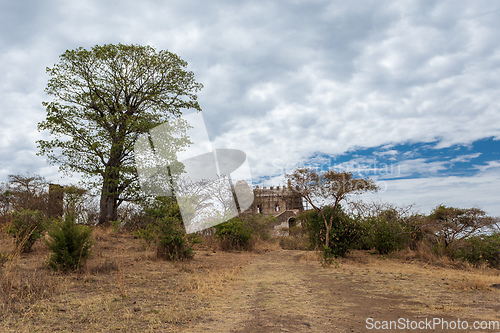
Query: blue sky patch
point(413, 160)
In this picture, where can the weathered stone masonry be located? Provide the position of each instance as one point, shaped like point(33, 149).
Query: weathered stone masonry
point(281, 202)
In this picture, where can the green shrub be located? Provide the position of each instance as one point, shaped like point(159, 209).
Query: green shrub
point(261, 225)
point(328, 257)
point(166, 232)
point(162, 207)
point(234, 235)
point(481, 249)
point(388, 236)
point(70, 245)
point(390, 231)
point(27, 227)
point(344, 234)
point(170, 239)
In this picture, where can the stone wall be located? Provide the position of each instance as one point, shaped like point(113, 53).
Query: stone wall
point(281, 202)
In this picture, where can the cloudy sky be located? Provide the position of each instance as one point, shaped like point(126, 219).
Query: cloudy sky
point(402, 91)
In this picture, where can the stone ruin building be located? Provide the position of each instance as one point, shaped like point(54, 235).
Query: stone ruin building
point(280, 202)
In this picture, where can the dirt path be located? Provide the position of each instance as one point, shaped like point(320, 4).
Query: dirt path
point(280, 291)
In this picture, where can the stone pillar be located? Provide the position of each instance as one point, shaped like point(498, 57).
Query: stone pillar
point(55, 204)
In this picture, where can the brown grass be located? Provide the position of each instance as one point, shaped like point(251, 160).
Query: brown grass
point(20, 288)
point(470, 284)
point(125, 287)
point(424, 254)
point(122, 287)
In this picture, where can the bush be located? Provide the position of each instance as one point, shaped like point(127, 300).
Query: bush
point(171, 241)
point(481, 249)
point(70, 245)
point(390, 230)
point(385, 236)
point(261, 225)
point(234, 235)
point(27, 227)
point(166, 231)
point(344, 234)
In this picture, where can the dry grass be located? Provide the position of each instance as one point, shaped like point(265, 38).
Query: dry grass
point(122, 287)
point(311, 256)
point(106, 267)
point(424, 254)
point(298, 242)
point(125, 287)
point(470, 284)
point(213, 281)
point(262, 246)
point(20, 288)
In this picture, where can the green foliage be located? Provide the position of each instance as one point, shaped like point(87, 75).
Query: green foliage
point(70, 245)
point(386, 233)
point(481, 249)
point(328, 257)
point(172, 242)
point(103, 99)
point(328, 189)
point(161, 207)
point(344, 234)
point(166, 231)
point(388, 236)
point(234, 234)
point(27, 227)
point(260, 225)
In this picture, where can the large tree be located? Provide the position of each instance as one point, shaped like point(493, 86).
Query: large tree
point(103, 100)
point(329, 188)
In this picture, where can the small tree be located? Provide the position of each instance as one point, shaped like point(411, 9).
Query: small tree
point(70, 245)
point(321, 189)
point(27, 192)
point(481, 249)
point(451, 224)
point(343, 235)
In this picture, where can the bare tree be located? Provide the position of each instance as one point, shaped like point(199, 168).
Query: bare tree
point(27, 192)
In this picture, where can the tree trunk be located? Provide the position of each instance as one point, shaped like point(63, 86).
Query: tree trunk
point(329, 224)
point(108, 208)
point(327, 241)
point(109, 195)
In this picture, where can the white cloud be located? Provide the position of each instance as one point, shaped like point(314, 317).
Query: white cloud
point(283, 80)
point(465, 158)
point(490, 165)
point(426, 193)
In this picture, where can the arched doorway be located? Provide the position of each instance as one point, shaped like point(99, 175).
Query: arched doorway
point(291, 222)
